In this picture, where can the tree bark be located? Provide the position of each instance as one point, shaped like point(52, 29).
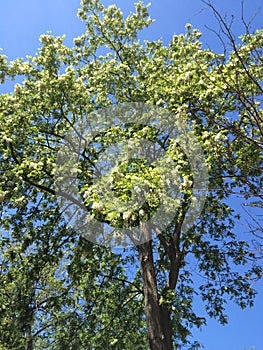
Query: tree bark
point(29, 337)
point(157, 317)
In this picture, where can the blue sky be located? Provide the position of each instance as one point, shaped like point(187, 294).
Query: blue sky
point(23, 21)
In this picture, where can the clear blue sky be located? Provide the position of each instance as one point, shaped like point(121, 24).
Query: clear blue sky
point(23, 21)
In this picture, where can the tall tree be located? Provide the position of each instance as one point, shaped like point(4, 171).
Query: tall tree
point(60, 290)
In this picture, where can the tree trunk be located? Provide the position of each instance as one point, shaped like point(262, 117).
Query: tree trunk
point(157, 317)
point(29, 338)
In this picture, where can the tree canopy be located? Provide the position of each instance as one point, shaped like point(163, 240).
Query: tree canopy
point(60, 290)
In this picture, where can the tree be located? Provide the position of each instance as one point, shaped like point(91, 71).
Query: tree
point(60, 290)
point(243, 80)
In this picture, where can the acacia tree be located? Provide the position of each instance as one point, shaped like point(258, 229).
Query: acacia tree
point(59, 290)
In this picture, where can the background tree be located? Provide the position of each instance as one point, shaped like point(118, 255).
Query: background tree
point(243, 80)
point(57, 289)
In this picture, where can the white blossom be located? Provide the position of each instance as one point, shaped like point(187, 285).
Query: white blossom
point(141, 212)
point(7, 139)
point(2, 196)
point(97, 206)
point(126, 215)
